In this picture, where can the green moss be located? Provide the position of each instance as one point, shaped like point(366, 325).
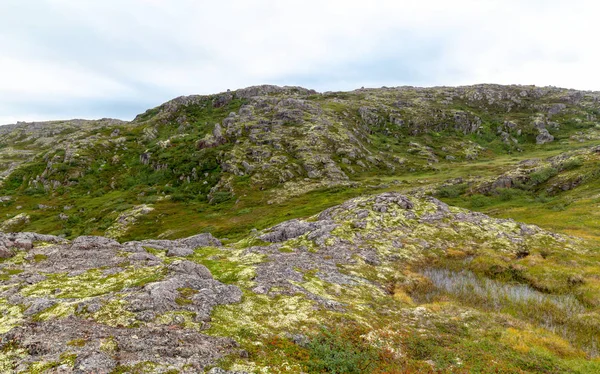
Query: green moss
point(261, 314)
point(139, 368)
point(77, 342)
point(109, 345)
point(38, 257)
point(114, 313)
point(94, 282)
point(58, 310)
point(42, 367)
point(11, 315)
point(229, 266)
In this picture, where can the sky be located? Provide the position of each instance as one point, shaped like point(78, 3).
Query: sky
point(62, 59)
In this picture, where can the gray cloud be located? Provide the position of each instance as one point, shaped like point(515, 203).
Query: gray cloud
point(71, 58)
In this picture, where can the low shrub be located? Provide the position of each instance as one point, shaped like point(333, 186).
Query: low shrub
point(572, 163)
point(479, 201)
point(542, 175)
point(508, 194)
point(332, 352)
point(454, 190)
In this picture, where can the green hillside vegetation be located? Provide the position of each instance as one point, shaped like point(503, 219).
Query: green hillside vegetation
point(403, 283)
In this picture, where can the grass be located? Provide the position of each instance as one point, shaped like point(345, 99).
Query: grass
point(560, 314)
point(529, 313)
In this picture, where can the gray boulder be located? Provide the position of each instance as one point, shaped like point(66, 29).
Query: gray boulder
point(93, 242)
point(5, 252)
point(544, 137)
point(295, 228)
point(96, 362)
point(39, 305)
point(179, 251)
point(200, 240)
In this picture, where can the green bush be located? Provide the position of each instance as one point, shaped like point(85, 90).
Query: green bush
point(221, 197)
point(542, 175)
point(479, 201)
point(572, 163)
point(508, 194)
point(331, 352)
point(454, 190)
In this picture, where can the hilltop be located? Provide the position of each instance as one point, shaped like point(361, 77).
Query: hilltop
point(239, 152)
point(279, 229)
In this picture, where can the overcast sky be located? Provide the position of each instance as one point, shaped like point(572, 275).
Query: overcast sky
point(63, 59)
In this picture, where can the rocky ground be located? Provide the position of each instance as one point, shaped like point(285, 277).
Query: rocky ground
point(96, 305)
point(389, 230)
point(278, 143)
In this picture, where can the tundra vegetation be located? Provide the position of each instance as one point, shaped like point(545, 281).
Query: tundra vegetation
point(277, 229)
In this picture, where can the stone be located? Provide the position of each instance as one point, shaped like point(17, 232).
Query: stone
point(97, 362)
point(544, 137)
point(39, 305)
point(23, 244)
point(179, 251)
point(6, 252)
point(93, 242)
point(200, 240)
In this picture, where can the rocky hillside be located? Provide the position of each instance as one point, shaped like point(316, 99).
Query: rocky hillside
point(278, 229)
point(381, 279)
point(266, 145)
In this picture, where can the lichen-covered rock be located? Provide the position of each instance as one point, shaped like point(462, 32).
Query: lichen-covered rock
point(544, 137)
point(200, 240)
point(99, 348)
point(94, 304)
point(166, 295)
point(292, 229)
point(93, 242)
point(39, 305)
point(88, 294)
point(16, 221)
point(378, 231)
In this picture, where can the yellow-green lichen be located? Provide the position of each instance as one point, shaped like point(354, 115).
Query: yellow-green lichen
point(10, 315)
point(66, 358)
point(114, 313)
point(93, 282)
point(58, 310)
point(229, 266)
point(263, 314)
point(183, 318)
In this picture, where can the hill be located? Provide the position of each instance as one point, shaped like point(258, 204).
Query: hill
point(443, 229)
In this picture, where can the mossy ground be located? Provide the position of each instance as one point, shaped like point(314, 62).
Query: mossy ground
point(396, 321)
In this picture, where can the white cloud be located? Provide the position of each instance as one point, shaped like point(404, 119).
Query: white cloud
point(147, 51)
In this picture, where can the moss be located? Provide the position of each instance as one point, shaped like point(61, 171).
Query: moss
point(11, 316)
point(10, 271)
point(93, 282)
point(39, 257)
point(142, 367)
point(66, 358)
point(58, 310)
point(114, 313)
point(77, 342)
point(183, 318)
point(9, 356)
point(185, 295)
point(526, 341)
point(109, 345)
point(262, 314)
point(229, 266)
